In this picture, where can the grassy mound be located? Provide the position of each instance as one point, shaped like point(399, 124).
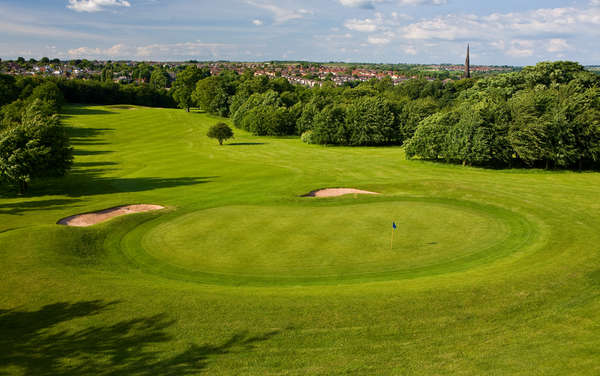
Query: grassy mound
point(492, 272)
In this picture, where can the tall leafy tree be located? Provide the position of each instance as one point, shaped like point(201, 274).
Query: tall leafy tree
point(185, 83)
point(38, 147)
point(8, 89)
point(329, 126)
point(159, 79)
point(211, 96)
point(50, 93)
point(370, 121)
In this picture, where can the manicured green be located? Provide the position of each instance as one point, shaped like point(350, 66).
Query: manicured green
point(491, 272)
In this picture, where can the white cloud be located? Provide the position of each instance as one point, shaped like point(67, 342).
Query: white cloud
point(378, 40)
point(44, 31)
point(95, 5)
point(88, 52)
point(280, 14)
point(370, 4)
point(185, 49)
point(410, 50)
point(537, 24)
point(157, 51)
point(422, 2)
point(257, 22)
point(557, 45)
point(365, 4)
point(521, 48)
point(517, 34)
point(116, 50)
point(367, 25)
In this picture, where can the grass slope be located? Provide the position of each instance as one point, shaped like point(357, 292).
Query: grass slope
point(492, 272)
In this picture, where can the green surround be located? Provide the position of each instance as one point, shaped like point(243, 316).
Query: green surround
point(299, 285)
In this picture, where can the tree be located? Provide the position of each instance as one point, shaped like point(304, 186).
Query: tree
point(430, 138)
point(11, 114)
point(370, 122)
point(329, 126)
point(8, 90)
point(185, 83)
point(107, 74)
point(221, 132)
point(183, 96)
point(48, 92)
point(548, 73)
point(211, 96)
point(38, 147)
point(142, 73)
point(159, 79)
point(412, 113)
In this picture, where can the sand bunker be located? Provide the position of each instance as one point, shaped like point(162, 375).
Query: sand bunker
point(334, 192)
point(88, 219)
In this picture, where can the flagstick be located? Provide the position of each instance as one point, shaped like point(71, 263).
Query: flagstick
point(392, 242)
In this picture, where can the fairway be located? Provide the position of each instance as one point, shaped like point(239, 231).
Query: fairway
point(490, 272)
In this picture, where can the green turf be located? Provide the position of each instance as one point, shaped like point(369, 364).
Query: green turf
point(492, 272)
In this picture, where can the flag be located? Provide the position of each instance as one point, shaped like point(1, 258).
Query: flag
point(394, 225)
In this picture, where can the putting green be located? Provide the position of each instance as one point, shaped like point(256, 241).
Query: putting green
point(306, 244)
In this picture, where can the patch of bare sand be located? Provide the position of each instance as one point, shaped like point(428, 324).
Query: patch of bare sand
point(89, 219)
point(335, 192)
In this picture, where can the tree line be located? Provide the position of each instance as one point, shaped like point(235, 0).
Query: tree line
point(546, 115)
point(33, 143)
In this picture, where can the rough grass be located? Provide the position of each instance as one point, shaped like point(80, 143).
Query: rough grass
point(492, 272)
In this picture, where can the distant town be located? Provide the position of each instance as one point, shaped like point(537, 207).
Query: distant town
point(296, 72)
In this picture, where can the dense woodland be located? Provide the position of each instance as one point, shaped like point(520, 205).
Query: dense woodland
point(544, 116)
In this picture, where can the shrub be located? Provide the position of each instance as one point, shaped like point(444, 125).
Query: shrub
point(307, 137)
point(221, 132)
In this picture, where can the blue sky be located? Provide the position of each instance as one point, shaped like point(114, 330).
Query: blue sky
point(390, 31)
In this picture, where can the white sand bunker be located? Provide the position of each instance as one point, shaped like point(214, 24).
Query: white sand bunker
point(88, 219)
point(334, 192)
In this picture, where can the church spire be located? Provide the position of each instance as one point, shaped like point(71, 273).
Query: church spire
point(468, 64)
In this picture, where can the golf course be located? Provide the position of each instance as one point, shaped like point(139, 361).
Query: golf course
point(239, 272)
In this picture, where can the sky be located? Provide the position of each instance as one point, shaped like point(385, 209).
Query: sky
point(506, 32)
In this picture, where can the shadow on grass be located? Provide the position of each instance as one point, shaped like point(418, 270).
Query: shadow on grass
point(41, 343)
point(19, 208)
point(78, 164)
point(89, 183)
point(81, 110)
point(89, 178)
point(87, 137)
point(90, 152)
point(76, 133)
point(246, 143)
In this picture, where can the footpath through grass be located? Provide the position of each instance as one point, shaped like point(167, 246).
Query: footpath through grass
point(492, 272)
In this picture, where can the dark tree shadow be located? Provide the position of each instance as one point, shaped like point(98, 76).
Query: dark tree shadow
point(84, 179)
point(90, 184)
point(122, 107)
point(77, 152)
point(19, 208)
point(77, 164)
point(87, 137)
point(246, 143)
point(88, 143)
point(85, 133)
point(36, 344)
point(81, 110)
